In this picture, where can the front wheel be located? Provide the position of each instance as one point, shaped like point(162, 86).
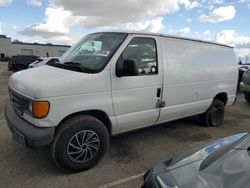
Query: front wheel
point(247, 96)
point(80, 143)
point(214, 115)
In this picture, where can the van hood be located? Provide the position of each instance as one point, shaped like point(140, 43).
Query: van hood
point(47, 81)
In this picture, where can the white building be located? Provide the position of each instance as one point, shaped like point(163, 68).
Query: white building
point(9, 49)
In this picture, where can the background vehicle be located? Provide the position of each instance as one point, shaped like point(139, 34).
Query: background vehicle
point(245, 85)
point(222, 163)
point(21, 62)
point(242, 69)
point(114, 82)
point(42, 61)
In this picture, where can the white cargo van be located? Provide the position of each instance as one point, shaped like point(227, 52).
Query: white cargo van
point(113, 82)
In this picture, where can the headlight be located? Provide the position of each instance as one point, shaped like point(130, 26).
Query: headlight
point(39, 109)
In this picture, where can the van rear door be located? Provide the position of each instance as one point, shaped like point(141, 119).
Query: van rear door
point(136, 97)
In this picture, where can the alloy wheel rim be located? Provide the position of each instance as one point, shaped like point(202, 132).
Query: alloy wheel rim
point(83, 146)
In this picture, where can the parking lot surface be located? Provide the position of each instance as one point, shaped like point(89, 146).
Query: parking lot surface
point(128, 157)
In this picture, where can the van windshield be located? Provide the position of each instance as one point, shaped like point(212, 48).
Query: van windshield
point(92, 53)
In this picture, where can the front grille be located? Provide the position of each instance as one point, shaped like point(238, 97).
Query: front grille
point(17, 101)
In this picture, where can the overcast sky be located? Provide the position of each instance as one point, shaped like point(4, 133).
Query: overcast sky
point(66, 21)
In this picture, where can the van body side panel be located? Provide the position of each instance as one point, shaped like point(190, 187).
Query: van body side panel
point(194, 74)
point(135, 97)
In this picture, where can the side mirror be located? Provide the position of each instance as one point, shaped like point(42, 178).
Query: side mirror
point(126, 67)
point(130, 68)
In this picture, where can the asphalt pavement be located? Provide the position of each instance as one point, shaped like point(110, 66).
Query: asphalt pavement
point(128, 157)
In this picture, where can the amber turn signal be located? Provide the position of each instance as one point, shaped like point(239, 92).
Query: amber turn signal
point(40, 109)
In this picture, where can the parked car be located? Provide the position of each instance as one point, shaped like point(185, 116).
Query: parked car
point(224, 163)
point(6, 58)
point(245, 85)
point(113, 82)
point(242, 69)
point(21, 62)
point(43, 61)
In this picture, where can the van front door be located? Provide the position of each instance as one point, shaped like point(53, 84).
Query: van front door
point(136, 96)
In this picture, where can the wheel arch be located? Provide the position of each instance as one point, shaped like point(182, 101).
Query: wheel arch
point(98, 114)
point(222, 97)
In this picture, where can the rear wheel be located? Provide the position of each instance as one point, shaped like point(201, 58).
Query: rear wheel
point(247, 96)
point(214, 115)
point(80, 143)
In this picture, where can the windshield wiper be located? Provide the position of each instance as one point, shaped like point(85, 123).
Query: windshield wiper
point(79, 66)
point(53, 62)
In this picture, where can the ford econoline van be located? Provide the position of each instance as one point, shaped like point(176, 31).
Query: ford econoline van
point(114, 82)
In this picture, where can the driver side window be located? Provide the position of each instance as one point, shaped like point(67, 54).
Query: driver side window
point(143, 52)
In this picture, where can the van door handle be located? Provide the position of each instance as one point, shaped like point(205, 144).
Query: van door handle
point(158, 93)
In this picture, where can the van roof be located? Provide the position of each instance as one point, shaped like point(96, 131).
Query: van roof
point(166, 35)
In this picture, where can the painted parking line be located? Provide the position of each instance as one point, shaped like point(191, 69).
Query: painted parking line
point(123, 180)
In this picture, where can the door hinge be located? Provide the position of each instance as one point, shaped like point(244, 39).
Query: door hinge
point(160, 104)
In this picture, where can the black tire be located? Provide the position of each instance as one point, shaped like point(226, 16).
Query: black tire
point(247, 96)
point(68, 146)
point(214, 115)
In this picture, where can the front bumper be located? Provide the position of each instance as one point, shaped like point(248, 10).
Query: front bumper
point(26, 133)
